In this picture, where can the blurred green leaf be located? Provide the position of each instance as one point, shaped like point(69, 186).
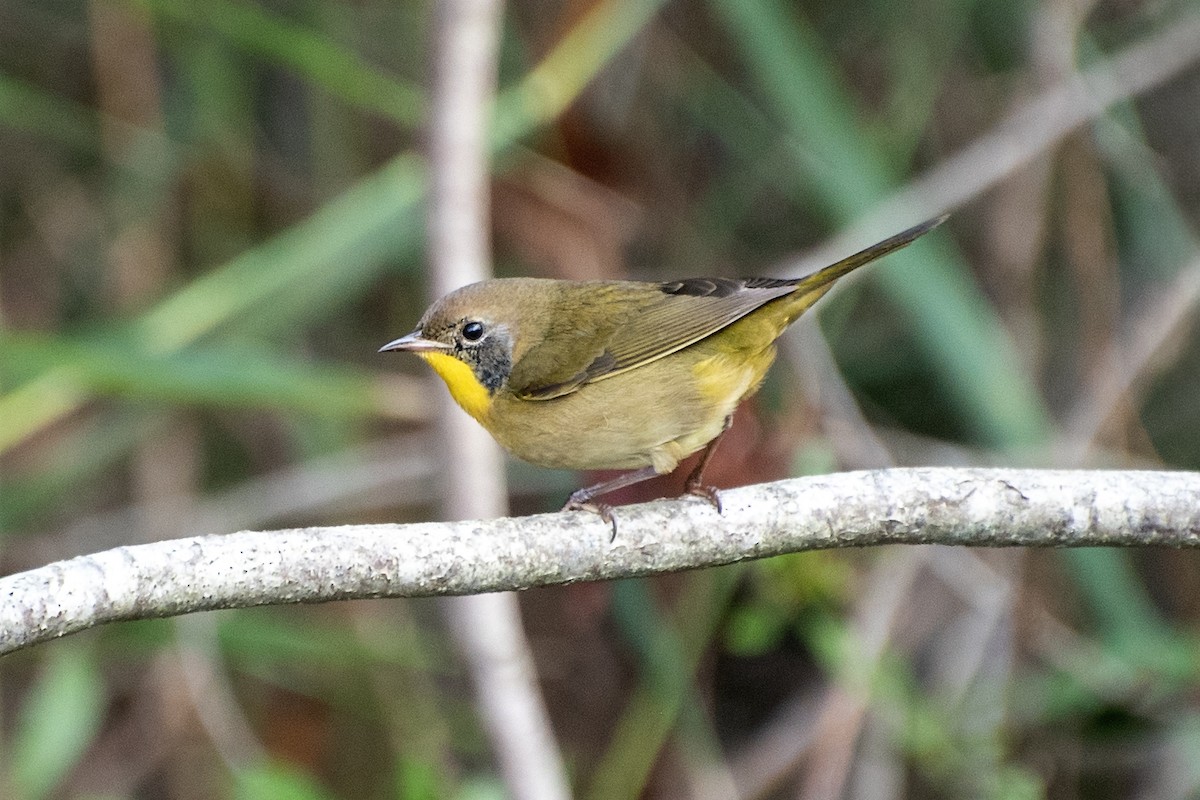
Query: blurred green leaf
point(669, 651)
point(256, 640)
point(781, 593)
point(956, 756)
point(356, 232)
point(30, 109)
point(1157, 237)
point(418, 780)
point(603, 31)
point(57, 721)
point(361, 227)
point(1127, 620)
point(753, 629)
point(68, 464)
point(276, 781)
point(313, 56)
point(227, 375)
point(68, 124)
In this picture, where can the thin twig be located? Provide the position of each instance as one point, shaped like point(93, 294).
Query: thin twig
point(1130, 362)
point(971, 507)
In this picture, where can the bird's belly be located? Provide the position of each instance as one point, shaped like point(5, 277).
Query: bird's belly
point(610, 424)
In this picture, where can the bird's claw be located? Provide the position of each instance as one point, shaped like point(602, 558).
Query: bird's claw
point(710, 493)
point(603, 509)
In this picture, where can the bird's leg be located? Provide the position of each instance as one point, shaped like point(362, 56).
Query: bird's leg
point(695, 482)
point(581, 499)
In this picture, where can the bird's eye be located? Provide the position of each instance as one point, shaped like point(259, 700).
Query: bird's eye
point(472, 331)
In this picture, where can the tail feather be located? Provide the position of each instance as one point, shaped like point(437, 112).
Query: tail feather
point(810, 288)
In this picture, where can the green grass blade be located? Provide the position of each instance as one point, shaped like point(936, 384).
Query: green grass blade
point(58, 720)
point(357, 227)
point(309, 54)
point(28, 108)
point(277, 781)
point(220, 375)
point(670, 651)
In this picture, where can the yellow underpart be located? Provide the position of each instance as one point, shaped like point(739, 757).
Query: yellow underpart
point(464, 387)
point(722, 382)
point(742, 354)
point(724, 379)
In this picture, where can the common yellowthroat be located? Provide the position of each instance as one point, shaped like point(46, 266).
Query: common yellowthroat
point(616, 374)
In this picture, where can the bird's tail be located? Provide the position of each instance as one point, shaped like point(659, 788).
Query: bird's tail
point(810, 288)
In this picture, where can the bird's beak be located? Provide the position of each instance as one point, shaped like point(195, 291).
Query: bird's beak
point(414, 343)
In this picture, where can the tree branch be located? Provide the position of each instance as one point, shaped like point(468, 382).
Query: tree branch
point(971, 507)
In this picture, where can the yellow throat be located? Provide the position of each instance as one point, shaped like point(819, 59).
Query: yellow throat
point(464, 387)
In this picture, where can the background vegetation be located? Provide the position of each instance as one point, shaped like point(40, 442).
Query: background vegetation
point(211, 217)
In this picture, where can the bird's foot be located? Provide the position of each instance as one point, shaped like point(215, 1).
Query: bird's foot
point(581, 501)
point(710, 493)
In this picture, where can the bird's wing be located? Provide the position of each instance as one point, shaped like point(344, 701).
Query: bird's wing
point(644, 322)
point(641, 327)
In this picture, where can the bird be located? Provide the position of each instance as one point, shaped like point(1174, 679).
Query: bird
point(617, 374)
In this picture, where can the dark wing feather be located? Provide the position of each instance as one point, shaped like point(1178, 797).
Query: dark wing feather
point(653, 322)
